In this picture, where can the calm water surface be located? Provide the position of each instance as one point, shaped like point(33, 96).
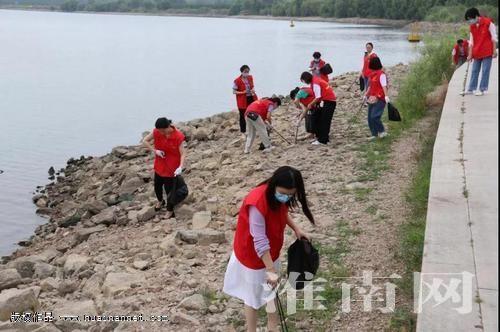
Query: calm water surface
point(80, 84)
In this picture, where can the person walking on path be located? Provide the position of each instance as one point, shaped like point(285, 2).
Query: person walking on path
point(482, 49)
point(258, 118)
point(323, 93)
point(377, 97)
point(258, 241)
point(365, 71)
point(315, 66)
point(167, 144)
point(302, 97)
point(244, 90)
point(460, 52)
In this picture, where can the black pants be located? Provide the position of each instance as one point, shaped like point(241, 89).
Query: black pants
point(161, 183)
point(324, 121)
point(243, 123)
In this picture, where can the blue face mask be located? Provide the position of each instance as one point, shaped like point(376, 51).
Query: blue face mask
point(282, 198)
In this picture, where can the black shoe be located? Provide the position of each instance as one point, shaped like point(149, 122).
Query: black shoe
point(261, 147)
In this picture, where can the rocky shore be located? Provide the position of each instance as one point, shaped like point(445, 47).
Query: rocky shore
point(105, 251)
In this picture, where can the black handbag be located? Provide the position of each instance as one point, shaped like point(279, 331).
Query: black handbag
point(179, 191)
point(326, 69)
point(361, 83)
point(303, 263)
point(252, 116)
point(393, 113)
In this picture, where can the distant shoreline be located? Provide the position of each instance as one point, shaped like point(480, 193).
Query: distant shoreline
point(349, 20)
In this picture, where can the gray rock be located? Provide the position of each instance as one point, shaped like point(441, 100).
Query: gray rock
point(75, 263)
point(117, 282)
point(209, 236)
point(141, 264)
point(80, 308)
point(200, 134)
point(92, 286)
point(49, 284)
point(190, 237)
point(168, 247)
point(184, 212)
point(194, 302)
point(181, 318)
point(17, 300)
point(67, 286)
point(44, 270)
point(83, 234)
point(9, 278)
point(48, 254)
point(106, 216)
point(354, 186)
point(130, 185)
point(146, 213)
point(25, 265)
point(95, 206)
point(201, 219)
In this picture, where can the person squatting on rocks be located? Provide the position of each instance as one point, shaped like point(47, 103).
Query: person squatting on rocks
point(243, 88)
point(167, 144)
point(460, 52)
point(482, 49)
point(365, 71)
point(323, 92)
point(258, 240)
point(258, 118)
point(377, 97)
point(315, 66)
point(302, 97)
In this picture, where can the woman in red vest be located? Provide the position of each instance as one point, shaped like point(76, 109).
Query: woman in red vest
point(377, 97)
point(302, 97)
point(258, 117)
point(259, 239)
point(460, 52)
point(365, 71)
point(316, 64)
point(323, 93)
point(482, 48)
point(244, 90)
point(167, 144)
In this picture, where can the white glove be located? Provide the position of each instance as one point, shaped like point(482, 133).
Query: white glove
point(160, 153)
point(178, 171)
point(387, 99)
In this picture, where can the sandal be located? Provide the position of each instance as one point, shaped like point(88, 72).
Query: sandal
point(170, 214)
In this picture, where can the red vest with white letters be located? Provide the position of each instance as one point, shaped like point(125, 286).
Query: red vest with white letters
point(465, 45)
point(482, 45)
point(261, 107)
point(366, 64)
point(310, 96)
point(241, 100)
point(375, 88)
point(276, 221)
point(327, 93)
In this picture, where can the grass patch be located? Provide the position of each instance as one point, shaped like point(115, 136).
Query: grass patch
point(451, 14)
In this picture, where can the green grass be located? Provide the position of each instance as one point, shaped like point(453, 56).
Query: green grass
point(450, 14)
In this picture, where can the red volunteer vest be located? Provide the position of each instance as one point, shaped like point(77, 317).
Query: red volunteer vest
point(327, 93)
point(482, 46)
point(465, 45)
point(366, 62)
point(165, 167)
point(375, 88)
point(310, 96)
point(318, 66)
point(241, 100)
point(261, 107)
point(275, 229)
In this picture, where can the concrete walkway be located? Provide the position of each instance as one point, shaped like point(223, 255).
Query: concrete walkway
point(461, 237)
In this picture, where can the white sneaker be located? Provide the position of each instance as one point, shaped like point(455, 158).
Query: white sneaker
point(372, 138)
point(478, 93)
point(269, 149)
point(247, 151)
point(463, 93)
point(316, 142)
point(382, 134)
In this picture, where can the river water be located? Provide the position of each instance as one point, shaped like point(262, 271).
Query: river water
point(80, 84)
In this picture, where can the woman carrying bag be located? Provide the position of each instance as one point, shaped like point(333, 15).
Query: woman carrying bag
point(258, 241)
point(377, 97)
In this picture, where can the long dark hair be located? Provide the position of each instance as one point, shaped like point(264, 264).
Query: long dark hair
point(289, 178)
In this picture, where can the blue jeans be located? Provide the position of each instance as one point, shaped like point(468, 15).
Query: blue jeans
point(483, 66)
point(375, 112)
point(365, 78)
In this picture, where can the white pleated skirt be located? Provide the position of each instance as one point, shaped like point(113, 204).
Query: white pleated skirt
point(247, 284)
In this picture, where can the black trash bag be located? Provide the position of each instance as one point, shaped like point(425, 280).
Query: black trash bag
point(393, 113)
point(303, 263)
point(326, 69)
point(179, 192)
point(361, 83)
